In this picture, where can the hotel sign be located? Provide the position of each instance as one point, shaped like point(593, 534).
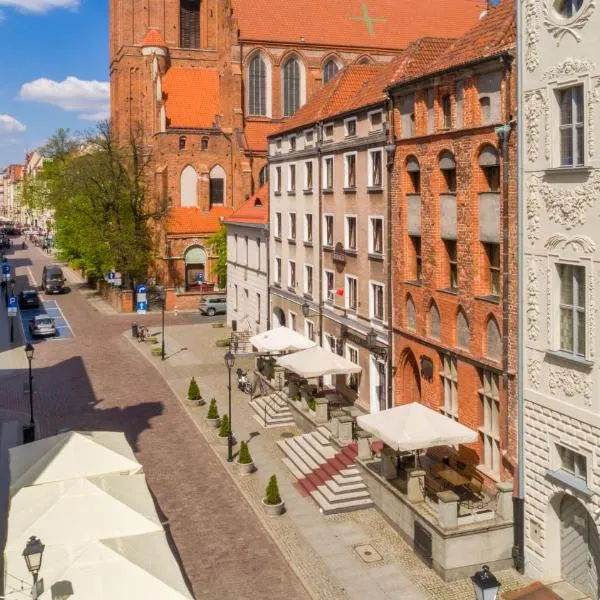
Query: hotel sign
point(339, 256)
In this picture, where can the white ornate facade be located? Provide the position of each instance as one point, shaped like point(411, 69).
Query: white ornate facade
point(560, 278)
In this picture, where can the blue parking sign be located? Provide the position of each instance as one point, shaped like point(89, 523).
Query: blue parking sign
point(5, 268)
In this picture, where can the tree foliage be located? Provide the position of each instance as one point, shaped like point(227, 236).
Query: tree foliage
point(97, 191)
point(272, 493)
point(219, 245)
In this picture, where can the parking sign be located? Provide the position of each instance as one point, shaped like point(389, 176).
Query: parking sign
point(5, 268)
point(12, 306)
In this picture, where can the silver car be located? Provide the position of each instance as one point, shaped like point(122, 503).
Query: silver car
point(42, 326)
point(213, 306)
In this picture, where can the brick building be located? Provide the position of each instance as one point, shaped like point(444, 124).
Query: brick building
point(455, 232)
point(203, 82)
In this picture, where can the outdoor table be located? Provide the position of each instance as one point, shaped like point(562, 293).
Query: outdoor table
point(454, 478)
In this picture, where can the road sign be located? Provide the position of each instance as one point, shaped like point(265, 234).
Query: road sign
point(12, 306)
point(5, 268)
point(141, 307)
point(111, 277)
point(141, 301)
point(200, 278)
point(118, 281)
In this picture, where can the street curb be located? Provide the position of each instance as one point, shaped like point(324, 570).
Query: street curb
point(261, 518)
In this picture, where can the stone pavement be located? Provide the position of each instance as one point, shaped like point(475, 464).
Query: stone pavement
point(321, 549)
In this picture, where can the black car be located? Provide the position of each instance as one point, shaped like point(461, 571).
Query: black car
point(28, 298)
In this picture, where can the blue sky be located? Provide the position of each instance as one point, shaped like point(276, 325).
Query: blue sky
point(54, 70)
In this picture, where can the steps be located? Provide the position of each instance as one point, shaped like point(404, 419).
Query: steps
point(327, 475)
point(274, 409)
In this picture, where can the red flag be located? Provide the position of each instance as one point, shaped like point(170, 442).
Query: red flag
point(339, 292)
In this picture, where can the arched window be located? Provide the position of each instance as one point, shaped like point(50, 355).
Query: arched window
point(434, 322)
point(216, 185)
point(204, 144)
point(493, 340)
point(189, 187)
point(448, 168)
point(490, 166)
point(182, 142)
point(257, 86)
point(365, 60)
point(329, 70)
point(189, 23)
point(263, 176)
point(462, 330)
point(447, 111)
point(411, 314)
point(291, 86)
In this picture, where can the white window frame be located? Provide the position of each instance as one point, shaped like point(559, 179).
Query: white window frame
point(586, 309)
point(306, 278)
point(325, 160)
point(347, 279)
point(292, 320)
point(571, 84)
point(306, 228)
point(292, 143)
point(347, 155)
point(309, 143)
point(292, 217)
point(370, 178)
point(278, 224)
point(292, 284)
point(290, 189)
point(277, 262)
point(278, 179)
point(324, 240)
point(308, 325)
point(449, 377)
point(355, 376)
point(490, 426)
point(372, 235)
point(347, 232)
point(346, 127)
point(326, 138)
point(326, 294)
point(556, 462)
point(370, 116)
point(372, 285)
point(308, 187)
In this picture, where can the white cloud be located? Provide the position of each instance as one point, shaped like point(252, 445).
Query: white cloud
point(91, 99)
point(39, 6)
point(9, 124)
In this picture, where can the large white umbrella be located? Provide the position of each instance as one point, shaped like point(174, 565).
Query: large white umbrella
point(414, 426)
point(80, 510)
point(280, 339)
point(71, 455)
point(317, 362)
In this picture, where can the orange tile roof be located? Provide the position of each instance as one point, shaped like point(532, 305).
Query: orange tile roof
point(257, 133)
point(391, 24)
point(255, 210)
point(153, 38)
point(191, 220)
point(192, 97)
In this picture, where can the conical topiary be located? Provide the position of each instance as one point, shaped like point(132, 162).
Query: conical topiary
point(213, 411)
point(273, 496)
point(194, 390)
point(244, 457)
point(224, 430)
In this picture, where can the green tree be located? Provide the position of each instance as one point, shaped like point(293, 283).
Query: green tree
point(224, 430)
point(219, 244)
point(244, 457)
point(273, 496)
point(193, 390)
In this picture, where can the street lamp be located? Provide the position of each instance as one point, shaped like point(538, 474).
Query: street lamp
point(163, 297)
point(33, 556)
point(305, 309)
point(485, 583)
point(29, 432)
point(229, 362)
point(371, 338)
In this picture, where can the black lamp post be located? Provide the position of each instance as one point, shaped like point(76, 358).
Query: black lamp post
point(12, 319)
point(29, 350)
point(229, 362)
point(485, 583)
point(163, 297)
point(33, 556)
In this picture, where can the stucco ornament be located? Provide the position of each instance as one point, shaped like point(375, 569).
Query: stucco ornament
point(560, 29)
point(534, 109)
point(580, 243)
point(593, 97)
point(534, 208)
point(568, 68)
point(532, 36)
point(533, 306)
point(534, 369)
point(570, 383)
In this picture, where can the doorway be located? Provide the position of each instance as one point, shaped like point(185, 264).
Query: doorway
point(377, 384)
point(409, 382)
point(278, 318)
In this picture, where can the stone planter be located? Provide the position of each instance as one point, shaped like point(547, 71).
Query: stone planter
point(222, 440)
point(199, 402)
point(244, 468)
point(213, 423)
point(272, 510)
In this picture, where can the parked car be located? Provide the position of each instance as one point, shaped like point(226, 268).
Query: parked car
point(53, 280)
point(213, 306)
point(28, 298)
point(42, 326)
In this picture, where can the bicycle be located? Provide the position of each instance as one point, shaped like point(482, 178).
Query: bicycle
point(142, 333)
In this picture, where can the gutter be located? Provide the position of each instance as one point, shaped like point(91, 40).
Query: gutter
point(319, 228)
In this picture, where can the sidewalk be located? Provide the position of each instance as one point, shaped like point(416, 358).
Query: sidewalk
point(320, 549)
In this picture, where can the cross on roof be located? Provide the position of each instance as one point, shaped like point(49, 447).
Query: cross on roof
point(368, 19)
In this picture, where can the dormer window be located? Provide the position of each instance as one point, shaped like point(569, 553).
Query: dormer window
point(350, 126)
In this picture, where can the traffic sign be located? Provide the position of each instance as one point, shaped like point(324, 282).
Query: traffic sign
point(118, 281)
point(200, 278)
point(141, 301)
point(141, 307)
point(5, 268)
point(12, 306)
point(111, 277)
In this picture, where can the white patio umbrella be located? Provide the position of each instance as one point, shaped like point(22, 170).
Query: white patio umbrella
point(317, 362)
point(71, 455)
point(281, 339)
point(415, 426)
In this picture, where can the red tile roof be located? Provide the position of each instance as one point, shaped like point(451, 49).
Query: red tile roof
point(191, 220)
point(255, 210)
point(192, 97)
point(391, 24)
point(257, 133)
point(153, 38)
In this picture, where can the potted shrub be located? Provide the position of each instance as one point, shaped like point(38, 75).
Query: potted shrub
point(244, 463)
point(224, 430)
point(212, 417)
point(272, 502)
point(194, 392)
point(156, 351)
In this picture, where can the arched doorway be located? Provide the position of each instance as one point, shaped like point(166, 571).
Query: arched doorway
point(278, 318)
point(579, 547)
point(409, 379)
point(195, 267)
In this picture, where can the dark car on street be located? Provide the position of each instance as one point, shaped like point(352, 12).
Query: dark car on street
point(53, 280)
point(28, 298)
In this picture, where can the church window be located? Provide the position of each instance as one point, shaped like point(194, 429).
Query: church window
point(216, 186)
point(329, 70)
point(182, 142)
point(291, 87)
point(257, 86)
point(189, 187)
point(204, 144)
point(189, 23)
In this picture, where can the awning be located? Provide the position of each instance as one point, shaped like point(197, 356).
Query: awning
point(317, 362)
point(414, 426)
point(280, 339)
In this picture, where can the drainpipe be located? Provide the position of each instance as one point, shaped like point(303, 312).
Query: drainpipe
point(390, 151)
point(319, 143)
